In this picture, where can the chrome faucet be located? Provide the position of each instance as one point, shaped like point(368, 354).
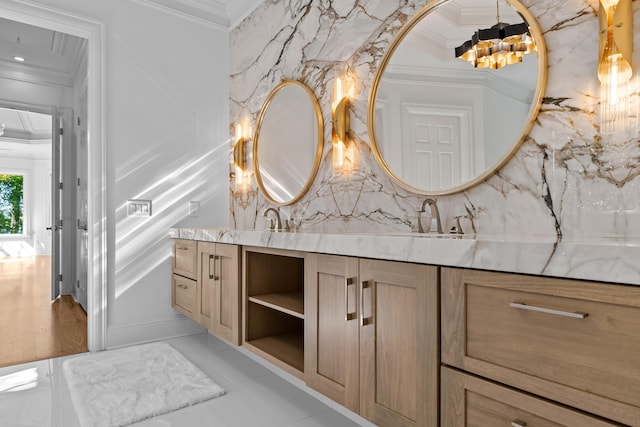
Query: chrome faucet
point(435, 214)
point(278, 224)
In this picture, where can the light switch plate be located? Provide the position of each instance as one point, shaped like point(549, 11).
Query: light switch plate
point(137, 207)
point(194, 208)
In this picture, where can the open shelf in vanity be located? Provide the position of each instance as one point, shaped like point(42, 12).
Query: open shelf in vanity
point(273, 299)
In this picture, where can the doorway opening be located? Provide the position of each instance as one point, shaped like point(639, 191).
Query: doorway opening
point(14, 84)
point(42, 310)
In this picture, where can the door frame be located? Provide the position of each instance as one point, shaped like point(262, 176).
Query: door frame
point(95, 33)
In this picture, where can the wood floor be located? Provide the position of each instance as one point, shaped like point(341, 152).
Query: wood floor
point(31, 326)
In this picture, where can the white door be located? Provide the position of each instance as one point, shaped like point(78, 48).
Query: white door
point(433, 154)
point(82, 235)
point(56, 204)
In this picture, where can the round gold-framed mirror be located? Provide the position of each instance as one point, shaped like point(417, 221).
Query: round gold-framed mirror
point(288, 142)
point(439, 124)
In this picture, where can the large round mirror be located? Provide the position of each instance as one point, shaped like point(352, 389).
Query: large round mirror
point(438, 121)
point(287, 144)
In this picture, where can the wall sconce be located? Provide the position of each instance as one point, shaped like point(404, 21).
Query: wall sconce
point(614, 64)
point(240, 157)
point(343, 148)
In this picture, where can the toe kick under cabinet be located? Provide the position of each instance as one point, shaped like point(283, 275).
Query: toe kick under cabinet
point(524, 350)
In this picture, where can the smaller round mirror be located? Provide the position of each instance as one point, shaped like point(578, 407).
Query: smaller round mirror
point(287, 146)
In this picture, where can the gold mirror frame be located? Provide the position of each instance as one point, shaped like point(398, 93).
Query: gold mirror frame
point(536, 32)
point(319, 148)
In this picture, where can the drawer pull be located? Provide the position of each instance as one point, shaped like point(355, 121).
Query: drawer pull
point(183, 248)
point(348, 315)
point(364, 321)
point(213, 276)
point(183, 286)
point(518, 423)
point(575, 315)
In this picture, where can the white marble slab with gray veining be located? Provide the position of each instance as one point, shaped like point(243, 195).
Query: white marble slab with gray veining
point(606, 260)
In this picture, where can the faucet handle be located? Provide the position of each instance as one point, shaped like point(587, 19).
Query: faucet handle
point(271, 225)
point(457, 229)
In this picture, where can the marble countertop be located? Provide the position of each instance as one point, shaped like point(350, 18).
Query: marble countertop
point(606, 260)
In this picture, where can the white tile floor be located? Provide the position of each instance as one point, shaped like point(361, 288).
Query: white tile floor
point(255, 395)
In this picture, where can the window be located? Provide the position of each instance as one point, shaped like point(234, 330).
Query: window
point(11, 204)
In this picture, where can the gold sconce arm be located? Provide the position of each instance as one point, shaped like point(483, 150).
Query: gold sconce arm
point(341, 121)
point(240, 153)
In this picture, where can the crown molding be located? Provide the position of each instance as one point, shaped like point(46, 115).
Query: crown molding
point(238, 10)
point(34, 74)
point(459, 78)
point(208, 12)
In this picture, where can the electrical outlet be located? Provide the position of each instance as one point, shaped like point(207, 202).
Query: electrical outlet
point(137, 207)
point(194, 208)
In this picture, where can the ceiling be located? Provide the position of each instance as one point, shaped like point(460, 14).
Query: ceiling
point(50, 57)
point(53, 58)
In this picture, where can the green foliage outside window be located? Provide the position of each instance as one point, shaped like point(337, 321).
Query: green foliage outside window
point(11, 201)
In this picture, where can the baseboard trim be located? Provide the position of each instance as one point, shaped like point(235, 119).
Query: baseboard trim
point(140, 333)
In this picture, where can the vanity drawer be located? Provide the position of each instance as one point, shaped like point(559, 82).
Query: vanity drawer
point(183, 294)
point(185, 258)
point(571, 341)
point(468, 401)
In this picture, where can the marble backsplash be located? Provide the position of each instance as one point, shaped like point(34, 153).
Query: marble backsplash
point(568, 181)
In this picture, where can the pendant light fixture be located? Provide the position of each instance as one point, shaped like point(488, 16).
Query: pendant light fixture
point(500, 45)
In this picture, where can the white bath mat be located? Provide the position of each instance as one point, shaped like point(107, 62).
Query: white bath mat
point(120, 387)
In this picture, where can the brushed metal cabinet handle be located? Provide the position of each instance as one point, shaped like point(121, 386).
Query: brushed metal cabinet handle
point(349, 281)
point(217, 269)
point(211, 257)
point(183, 286)
point(364, 321)
point(572, 314)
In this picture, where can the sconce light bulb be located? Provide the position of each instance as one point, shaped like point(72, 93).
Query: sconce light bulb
point(239, 176)
point(339, 154)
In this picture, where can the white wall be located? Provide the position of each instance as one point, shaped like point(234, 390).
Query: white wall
point(166, 140)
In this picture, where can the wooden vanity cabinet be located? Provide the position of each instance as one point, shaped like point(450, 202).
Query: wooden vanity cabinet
point(218, 290)
point(332, 343)
point(572, 342)
point(273, 306)
point(183, 278)
point(371, 337)
point(206, 286)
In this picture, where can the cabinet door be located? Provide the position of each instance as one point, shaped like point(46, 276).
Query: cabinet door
point(399, 343)
point(224, 319)
point(206, 282)
point(331, 328)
